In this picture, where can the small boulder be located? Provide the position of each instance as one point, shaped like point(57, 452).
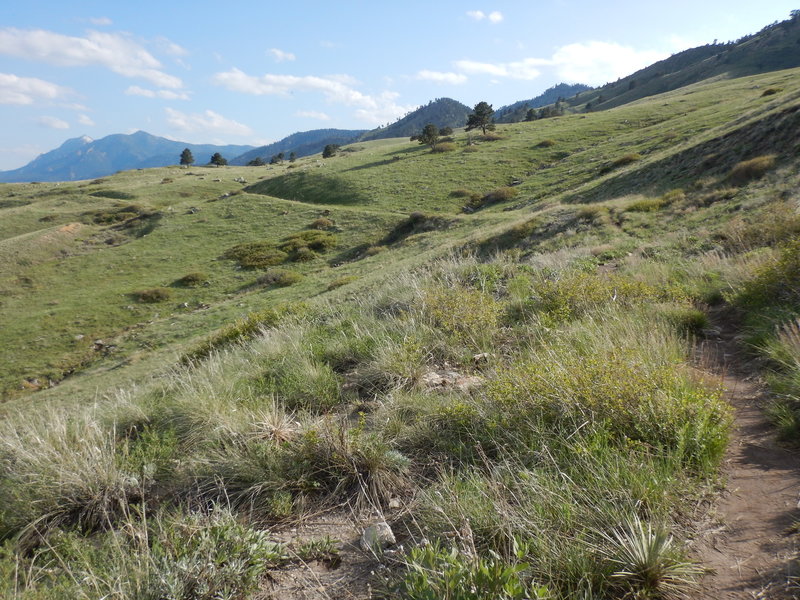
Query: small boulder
point(377, 537)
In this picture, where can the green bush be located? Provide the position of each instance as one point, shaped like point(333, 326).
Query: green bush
point(771, 91)
point(256, 255)
point(192, 279)
point(501, 194)
point(279, 277)
point(303, 254)
point(435, 572)
point(152, 295)
point(546, 143)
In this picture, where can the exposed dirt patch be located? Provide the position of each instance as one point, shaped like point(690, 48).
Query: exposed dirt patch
point(749, 546)
point(347, 578)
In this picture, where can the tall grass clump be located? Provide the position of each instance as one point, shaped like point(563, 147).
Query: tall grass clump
point(748, 170)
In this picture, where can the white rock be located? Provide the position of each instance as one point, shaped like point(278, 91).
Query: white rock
point(377, 536)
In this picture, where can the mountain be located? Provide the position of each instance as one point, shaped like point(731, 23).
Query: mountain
point(303, 143)
point(775, 47)
point(514, 113)
point(442, 112)
point(85, 158)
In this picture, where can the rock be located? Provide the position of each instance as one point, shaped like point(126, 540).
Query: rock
point(377, 537)
point(481, 358)
point(395, 502)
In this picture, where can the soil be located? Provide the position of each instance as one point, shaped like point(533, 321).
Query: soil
point(750, 546)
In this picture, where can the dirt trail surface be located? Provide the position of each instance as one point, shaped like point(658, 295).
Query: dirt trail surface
point(750, 549)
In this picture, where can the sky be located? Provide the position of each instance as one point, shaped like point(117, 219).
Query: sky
point(231, 72)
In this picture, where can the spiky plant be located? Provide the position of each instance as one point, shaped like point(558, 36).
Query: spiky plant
point(648, 563)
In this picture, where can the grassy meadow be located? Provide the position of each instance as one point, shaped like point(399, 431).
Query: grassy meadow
point(490, 346)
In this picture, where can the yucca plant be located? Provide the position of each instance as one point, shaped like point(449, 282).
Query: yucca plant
point(648, 563)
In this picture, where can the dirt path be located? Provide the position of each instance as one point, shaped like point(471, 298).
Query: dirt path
point(749, 546)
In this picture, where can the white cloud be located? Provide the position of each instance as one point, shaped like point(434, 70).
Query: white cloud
point(100, 21)
point(27, 90)
point(280, 55)
point(591, 62)
point(53, 123)
point(338, 89)
point(522, 69)
point(313, 114)
point(85, 120)
point(135, 90)
point(116, 52)
point(595, 63)
point(439, 77)
point(478, 15)
point(206, 122)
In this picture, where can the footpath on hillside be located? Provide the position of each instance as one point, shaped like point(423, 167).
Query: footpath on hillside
point(750, 548)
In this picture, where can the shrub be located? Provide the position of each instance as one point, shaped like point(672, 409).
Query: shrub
point(152, 295)
point(471, 316)
point(113, 194)
point(373, 250)
point(546, 143)
point(244, 329)
point(321, 223)
point(320, 241)
point(444, 147)
point(341, 281)
point(461, 193)
point(771, 91)
point(435, 572)
point(303, 254)
point(646, 205)
point(252, 255)
point(279, 277)
point(192, 279)
point(498, 195)
point(622, 161)
point(491, 137)
point(748, 170)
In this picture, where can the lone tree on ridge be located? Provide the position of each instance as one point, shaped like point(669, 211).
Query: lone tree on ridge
point(481, 118)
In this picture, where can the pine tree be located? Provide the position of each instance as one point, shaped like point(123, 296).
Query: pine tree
point(186, 157)
point(481, 117)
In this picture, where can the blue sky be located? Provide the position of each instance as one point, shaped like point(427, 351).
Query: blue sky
point(254, 72)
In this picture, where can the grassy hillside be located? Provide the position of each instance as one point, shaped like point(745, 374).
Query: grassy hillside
point(491, 346)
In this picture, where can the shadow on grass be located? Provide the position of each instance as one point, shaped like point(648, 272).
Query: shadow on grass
point(311, 187)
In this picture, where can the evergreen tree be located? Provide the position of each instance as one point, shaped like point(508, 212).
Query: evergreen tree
point(481, 117)
point(218, 160)
point(429, 135)
point(186, 157)
point(330, 150)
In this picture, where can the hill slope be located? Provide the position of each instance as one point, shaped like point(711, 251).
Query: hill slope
point(85, 158)
point(442, 112)
point(775, 47)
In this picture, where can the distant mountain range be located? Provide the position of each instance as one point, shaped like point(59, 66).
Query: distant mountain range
point(775, 47)
point(303, 143)
point(85, 158)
